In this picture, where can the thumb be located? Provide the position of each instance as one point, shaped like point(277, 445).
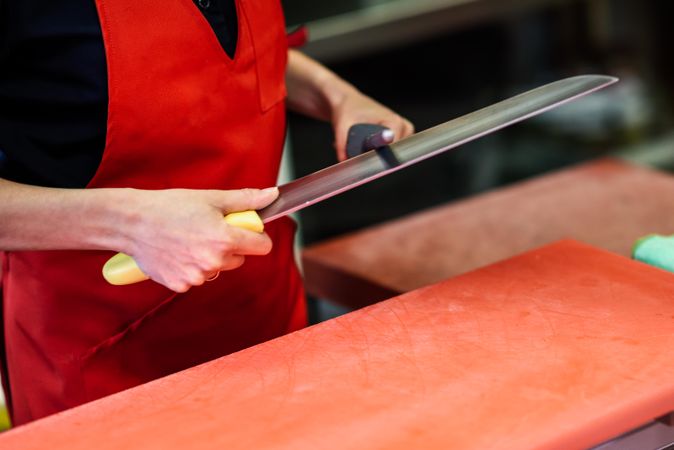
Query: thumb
point(243, 199)
point(341, 134)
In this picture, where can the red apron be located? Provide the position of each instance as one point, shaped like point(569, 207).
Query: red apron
point(181, 114)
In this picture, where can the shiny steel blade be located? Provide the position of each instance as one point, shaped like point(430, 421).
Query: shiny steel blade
point(369, 166)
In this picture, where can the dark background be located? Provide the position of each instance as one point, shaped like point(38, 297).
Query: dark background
point(454, 70)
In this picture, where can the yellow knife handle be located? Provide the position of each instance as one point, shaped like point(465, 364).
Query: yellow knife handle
point(122, 269)
point(248, 220)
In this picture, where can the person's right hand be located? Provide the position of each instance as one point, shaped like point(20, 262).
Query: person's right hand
point(179, 238)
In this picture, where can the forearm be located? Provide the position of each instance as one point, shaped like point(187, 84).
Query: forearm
point(314, 90)
point(177, 236)
point(37, 218)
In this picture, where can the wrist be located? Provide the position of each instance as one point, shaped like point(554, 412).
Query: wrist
point(111, 215)
point(313, 89)
point(335, 91)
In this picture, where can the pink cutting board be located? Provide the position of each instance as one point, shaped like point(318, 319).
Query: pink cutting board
point(563, 347)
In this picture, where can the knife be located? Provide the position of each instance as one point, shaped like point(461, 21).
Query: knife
point(378, 162)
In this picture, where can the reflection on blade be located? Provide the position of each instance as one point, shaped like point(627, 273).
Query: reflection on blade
point(369, 166)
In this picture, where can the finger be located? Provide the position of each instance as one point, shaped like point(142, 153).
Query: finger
point(179, 287)
point(196, 278)
point(242, 199)
point(244, 242)
point(341, 135)
point(233, 262)
point(408, 129)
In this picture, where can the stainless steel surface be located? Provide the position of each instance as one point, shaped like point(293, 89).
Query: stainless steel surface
point(369, 166)
point(652, 436)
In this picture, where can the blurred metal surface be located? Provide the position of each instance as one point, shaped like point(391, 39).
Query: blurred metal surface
point(390, 23)
point(653, 436)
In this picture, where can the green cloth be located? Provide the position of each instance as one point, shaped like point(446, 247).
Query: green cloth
point(656, 251)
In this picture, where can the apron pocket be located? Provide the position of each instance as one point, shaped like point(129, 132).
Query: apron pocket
point(106, 369)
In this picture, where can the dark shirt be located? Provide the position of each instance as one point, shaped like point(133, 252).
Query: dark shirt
point(54, 90)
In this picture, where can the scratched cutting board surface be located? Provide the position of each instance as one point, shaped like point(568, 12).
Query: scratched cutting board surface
point(561, 348)
point(606, 203)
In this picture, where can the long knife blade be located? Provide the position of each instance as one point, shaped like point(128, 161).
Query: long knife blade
point(374, 164)
point(326, 183)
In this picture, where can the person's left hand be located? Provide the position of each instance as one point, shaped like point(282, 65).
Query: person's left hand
point(354, 108)
point(315, 91)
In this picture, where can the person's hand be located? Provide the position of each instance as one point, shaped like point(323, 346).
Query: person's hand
point(317, 92)
point(179, 237)
point(355, 107)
